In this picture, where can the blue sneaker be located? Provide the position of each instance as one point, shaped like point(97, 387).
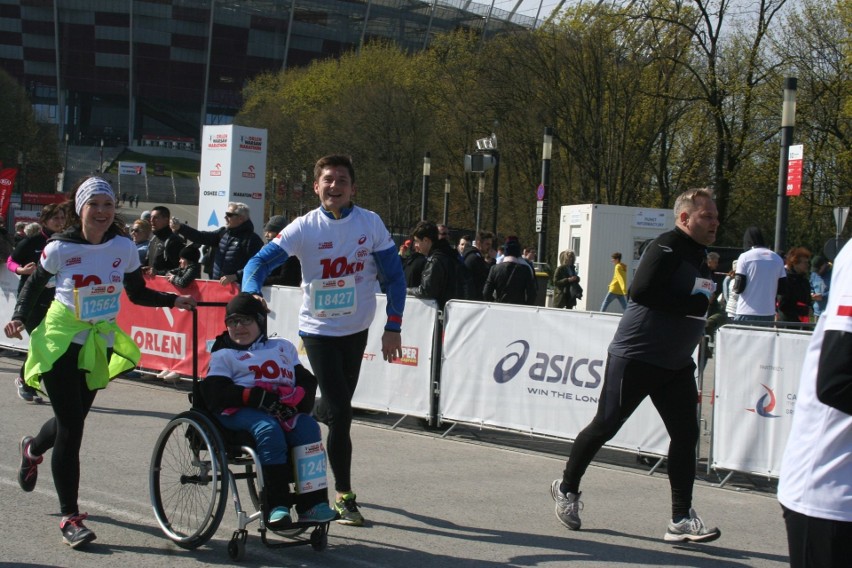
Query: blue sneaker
point(319, 513)
point(279, 518)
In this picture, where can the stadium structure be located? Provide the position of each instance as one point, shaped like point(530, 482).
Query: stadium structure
point(152, 72)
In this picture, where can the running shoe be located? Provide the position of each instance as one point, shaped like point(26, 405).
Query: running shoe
point(74, 532)
point(279, 518)
point(319, 513)
point(568, 506)
point(28, 474)
point(691, 529)
point(347, 508)
point(26, 392)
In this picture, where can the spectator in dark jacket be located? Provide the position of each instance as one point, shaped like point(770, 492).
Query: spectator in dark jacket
point(289, 273)
point(512, 281)
point(189, 269)
point(233, 245)
point(165, 246)
point(794, 302)
point(439, 280)
point(413, 263)
point(478, 264)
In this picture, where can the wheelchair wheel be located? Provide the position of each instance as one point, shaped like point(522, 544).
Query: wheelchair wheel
point(188, 480)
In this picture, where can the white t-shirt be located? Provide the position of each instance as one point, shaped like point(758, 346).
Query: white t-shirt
point(339, 272)
point(273, 362)
point(816, 471)
point(762, 269)
point(90, 278)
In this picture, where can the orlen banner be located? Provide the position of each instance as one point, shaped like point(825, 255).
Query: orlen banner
point(164, 335)
point(7, 184)
point(757, 378)
point(233, 168)
point(538, 371)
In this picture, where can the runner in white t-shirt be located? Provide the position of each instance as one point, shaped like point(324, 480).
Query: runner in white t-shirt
point(78, 348)
point(759, 274)
point(346, 254)
point(815, 488)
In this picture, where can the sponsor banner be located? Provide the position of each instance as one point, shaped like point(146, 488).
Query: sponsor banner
point(534, 370)
point(233, 168)
point(7, 184)
point(43, 198)
point(401, 387)
point(164, 335)
point(757, 378)
point(132, 169)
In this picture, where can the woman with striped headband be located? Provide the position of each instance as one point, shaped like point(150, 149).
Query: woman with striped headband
point(78, 347)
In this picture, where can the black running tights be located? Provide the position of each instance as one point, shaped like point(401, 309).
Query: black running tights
point(336, 362)
point(674, 394)
point(71, 400)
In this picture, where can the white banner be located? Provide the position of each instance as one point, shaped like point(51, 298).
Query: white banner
point(401, 387)
point(536, 370)
point(233, 168)
point(757, 378)
point(132, 169)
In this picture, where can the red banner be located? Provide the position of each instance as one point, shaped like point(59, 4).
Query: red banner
point(795, 155)
point(165, 335)
point(7, 184)
point(43, 198)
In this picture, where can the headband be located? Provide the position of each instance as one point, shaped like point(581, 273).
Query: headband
point(88, 189)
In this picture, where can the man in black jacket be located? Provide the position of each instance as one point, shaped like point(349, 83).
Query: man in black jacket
point(165, 246)
point(513, 280)
point(651, 356)
point(440, 278)
point(234, 244)
point(478, 263)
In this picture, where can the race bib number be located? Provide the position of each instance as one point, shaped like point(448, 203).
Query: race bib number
point(310, 467)
point(333, 297)
point(97, 302)
point(704, 286)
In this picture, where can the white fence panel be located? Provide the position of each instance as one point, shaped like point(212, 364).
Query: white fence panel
point(536, 370)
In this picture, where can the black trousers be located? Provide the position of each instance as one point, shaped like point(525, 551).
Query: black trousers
point(71, 400)
point(336, 362)
point(817, 543)
point(626, 384)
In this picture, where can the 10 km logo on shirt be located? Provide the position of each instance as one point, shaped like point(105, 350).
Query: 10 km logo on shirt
point(334, 268)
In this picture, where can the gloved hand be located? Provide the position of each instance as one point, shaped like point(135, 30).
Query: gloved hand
point(262, 399)
point(282, 411)
point(268, 401)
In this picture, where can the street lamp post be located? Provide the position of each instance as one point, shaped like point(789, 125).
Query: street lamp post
point(446, 220)
point(274, 195)
point(788, 122)
point(541, 194)
point(65, 169)
point(479, 204)
point(424, 194)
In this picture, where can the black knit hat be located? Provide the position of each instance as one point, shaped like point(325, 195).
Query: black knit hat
point(275, 224)
point(246, 305)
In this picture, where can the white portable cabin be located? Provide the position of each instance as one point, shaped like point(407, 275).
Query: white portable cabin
point(594, 232)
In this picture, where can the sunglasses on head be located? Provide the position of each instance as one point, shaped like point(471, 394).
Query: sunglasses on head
point(235, 320)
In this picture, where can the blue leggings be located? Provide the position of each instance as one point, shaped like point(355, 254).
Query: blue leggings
point(272, 442)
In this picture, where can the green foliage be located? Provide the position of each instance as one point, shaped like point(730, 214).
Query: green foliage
point(645, 100)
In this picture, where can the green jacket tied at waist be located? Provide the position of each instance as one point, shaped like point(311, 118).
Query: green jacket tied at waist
point(53, 337)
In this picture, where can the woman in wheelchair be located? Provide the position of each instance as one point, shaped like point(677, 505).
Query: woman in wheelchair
point(257, 384)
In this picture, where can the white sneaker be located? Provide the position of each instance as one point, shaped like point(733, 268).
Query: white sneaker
point(691, 529)
point(568, 506)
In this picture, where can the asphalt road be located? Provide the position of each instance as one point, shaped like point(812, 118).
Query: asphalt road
point(467, 500)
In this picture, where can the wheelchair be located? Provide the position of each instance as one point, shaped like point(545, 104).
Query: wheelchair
point(195, 464)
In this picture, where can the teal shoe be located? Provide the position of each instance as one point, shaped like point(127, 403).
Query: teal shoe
point(279, 517)
point(319, 513)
